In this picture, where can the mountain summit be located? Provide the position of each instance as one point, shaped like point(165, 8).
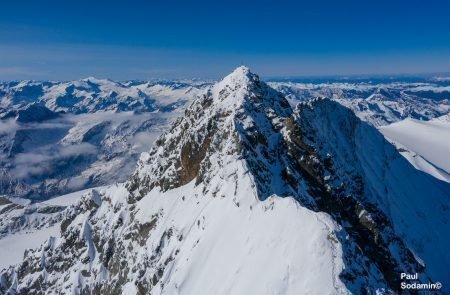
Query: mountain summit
point(239, 115)
point(245, 195)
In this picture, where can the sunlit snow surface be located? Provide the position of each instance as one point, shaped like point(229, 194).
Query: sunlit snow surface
point(426, 144)
point(254, 248)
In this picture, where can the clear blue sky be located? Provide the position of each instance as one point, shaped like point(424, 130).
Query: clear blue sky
point(206, 39)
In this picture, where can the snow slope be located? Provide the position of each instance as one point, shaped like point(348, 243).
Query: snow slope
point(225, 241)
point(430, 140)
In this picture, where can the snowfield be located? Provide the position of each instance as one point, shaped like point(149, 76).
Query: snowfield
point(427, 144)
point(13, 247)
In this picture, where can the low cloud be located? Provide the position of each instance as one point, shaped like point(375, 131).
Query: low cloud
point(143, 141)
point(43, 160)
point(8, 126)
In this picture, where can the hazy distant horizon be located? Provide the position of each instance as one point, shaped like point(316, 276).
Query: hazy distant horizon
point(332, 77)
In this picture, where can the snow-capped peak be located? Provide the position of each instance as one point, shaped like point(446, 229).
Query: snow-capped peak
point(238, 82)
point(238, 110)
point(240, 76)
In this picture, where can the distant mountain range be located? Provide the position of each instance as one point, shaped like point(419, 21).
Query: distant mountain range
point(59, 137)
point(378, 104)
point(91, 95)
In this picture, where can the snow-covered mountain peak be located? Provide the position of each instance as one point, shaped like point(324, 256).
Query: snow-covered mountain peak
point(241, 89)
point(239, 74)
point(239, 81)
point(239, 115)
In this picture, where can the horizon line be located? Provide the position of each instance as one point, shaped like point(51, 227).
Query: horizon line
point(422, 75)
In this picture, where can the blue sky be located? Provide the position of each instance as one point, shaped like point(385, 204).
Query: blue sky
point(206, 39)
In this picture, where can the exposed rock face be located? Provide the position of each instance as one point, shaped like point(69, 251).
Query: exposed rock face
point(225, 172)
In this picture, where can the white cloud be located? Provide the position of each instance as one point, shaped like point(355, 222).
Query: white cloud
point(42, 160)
